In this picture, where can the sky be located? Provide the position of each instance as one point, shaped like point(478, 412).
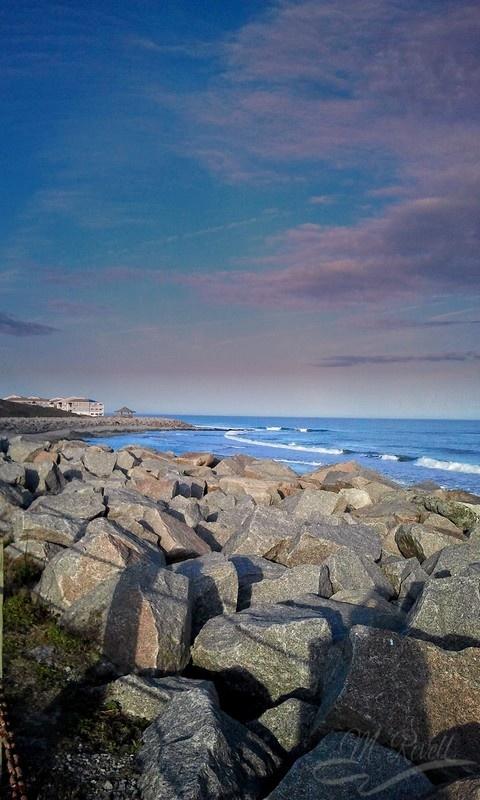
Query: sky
point(242, 207)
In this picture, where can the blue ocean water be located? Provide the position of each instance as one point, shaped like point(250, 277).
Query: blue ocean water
point(410, 451)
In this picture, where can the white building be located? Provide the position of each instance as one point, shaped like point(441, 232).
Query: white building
point(79, 405)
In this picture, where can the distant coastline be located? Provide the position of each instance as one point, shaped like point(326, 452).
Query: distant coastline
point(76, 427)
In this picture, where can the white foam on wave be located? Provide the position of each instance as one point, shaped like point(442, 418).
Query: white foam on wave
point(273, 428)
point(450, 466)
point(298, 461)
point(334, 451)
point(302, 430)
point(388, 457)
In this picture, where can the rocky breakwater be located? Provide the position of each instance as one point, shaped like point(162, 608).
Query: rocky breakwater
point(73, 425)
point(280, 636)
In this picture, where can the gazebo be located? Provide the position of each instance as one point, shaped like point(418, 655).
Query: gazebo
point(124, 412)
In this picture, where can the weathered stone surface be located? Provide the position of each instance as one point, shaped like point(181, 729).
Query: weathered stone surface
point(369, 599)
point(101, 553)
point(392, 510)
point(305, 579)
point(51, 528)
point(312, 505)
point(194, 751)
point(356, 498)
point(147, 697)
point(261, 532)
point(214, 502)
point(351, 571)
point(234, 465)
point(345, 767)
point(265, 492)
point(141, 619)
point(270, 651)
point(265, 652)
point(82, 504)
point(44, 476)
point(33, 549)
point(396, 569)
point(448, 612)
point(21, 448)
point(250, 570)
point(286, 725)
point(315, 544)
point(464, 515)
point(411, 587)
point(190, 486)
point(437, 522)
point(415, 540)
point(126, 460)
point(454, 560)
point(12, 473)
point(177, 539)
point(186, 509)
point(99, 461)
point(215, 534)
point(198, 459)
point(409, 694)
point(163, 488)
point(213, 586)
point(269, 468)
point(464, 789)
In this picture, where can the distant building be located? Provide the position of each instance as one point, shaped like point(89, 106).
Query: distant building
point(79, 405)
point(124, 412)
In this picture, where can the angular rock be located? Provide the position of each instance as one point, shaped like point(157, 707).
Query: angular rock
point(83, 504)
point(448, 612)
point(345, 767)
point(215, 534)
point(147, 697)
point(442, 524)
point(420, 542)
point(34, 550)
point(406, 693)
point(396, 569)
point(178, 540)
point(262, 530)
point(351, 571)
point(269, 468)
point(464, 515)
point(356, 498)
point(141, 618)
point(264, 491)
point(194, 751)
point(305, 579)
point(21, 448)
point(312, 505)
point(213, 586)
point(164, 488)
point(99, 462)
point(213, 502)
point(454, 560)
point(126, 460)
point(271, 651)
point(44, 476)
point(250, 570)
point(315, 544)
point(463, 789)
point(186, 509)
point(189, 486)
point(411, 587)
point(51, 528)
point(102, 553)
point(12, 473)
point(368, 598)
point(286, 725)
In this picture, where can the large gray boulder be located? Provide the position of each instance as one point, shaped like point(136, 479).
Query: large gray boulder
point(51, 528)
point(23, 448)
point(315, 543)
point(101, 553)
point(261, 532)
point(147, 697)
point(305, 579)
point(286, 726)
point(140, 617)
point(345, 767)
point(312, 505)
point(454, 560)
point(194, 751)
point(271, 651)
point(213, 586)
point(448, 612)
point(99, 461)
point(12, 473)
point(251, 570)
point(186, 509)
point(406, 693)
point(350, 570)
point(81, 503)
point(464, 515)
point(417, 541)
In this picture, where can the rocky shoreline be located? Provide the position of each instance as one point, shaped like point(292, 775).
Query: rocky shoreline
point(74, 427)
point(209, 628)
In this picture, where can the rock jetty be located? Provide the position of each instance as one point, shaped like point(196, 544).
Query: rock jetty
point(279, 636)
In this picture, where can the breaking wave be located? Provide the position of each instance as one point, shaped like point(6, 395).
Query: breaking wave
point(449, 466)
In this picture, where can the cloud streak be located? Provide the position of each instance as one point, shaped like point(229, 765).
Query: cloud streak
point(10, 326)
point(381, 360)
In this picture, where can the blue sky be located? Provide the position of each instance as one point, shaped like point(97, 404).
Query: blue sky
point(242, 207)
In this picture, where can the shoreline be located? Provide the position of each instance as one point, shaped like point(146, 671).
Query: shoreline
point(80, 428)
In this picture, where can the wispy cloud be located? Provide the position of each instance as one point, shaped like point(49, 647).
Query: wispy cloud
point(11, 326)
point(359, 360)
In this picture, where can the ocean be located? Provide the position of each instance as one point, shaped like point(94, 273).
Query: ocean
point(409, 451)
